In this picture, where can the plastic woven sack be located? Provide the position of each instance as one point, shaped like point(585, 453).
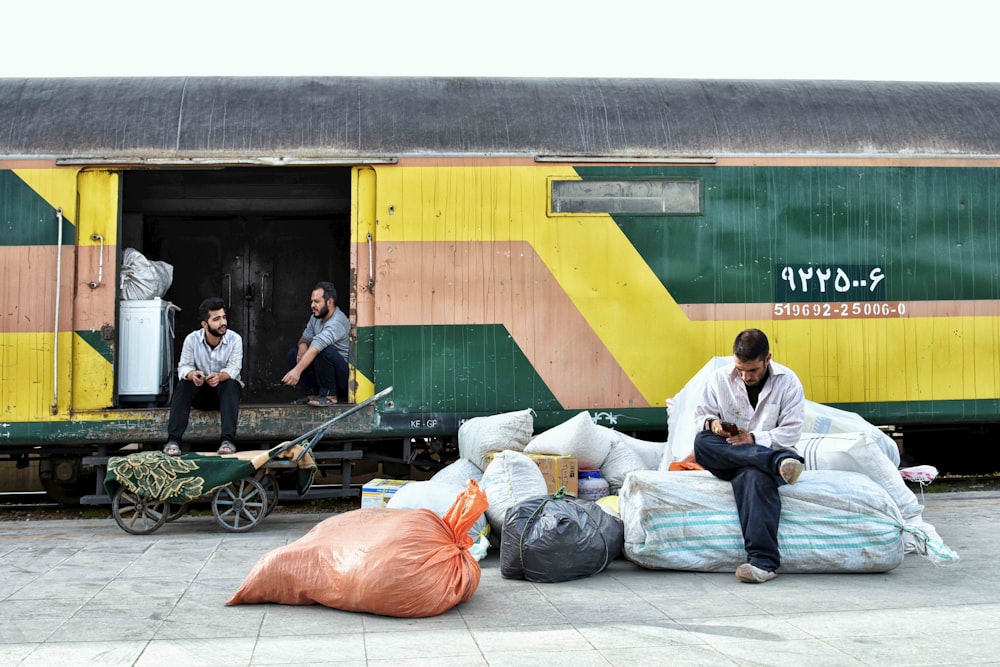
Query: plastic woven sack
point(406, 563)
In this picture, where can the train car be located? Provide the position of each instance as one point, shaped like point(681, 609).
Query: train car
point(499, 244)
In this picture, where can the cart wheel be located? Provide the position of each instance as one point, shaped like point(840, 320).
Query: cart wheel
point(138, 514)
point(177, 512)
point(241, 505)
point(270, 484)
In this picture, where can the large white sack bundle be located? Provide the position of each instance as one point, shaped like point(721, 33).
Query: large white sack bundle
point(819, 418)
point(510, 478)
point(857, 452)
point(438, 497)
point(830, 522)
point(578, 437)
point(459, 472)
point(480, 436)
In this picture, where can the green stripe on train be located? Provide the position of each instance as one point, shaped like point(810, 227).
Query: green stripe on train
point(931, 231)
point(457, 369)
point(26, 218)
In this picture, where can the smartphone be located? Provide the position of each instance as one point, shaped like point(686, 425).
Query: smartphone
point(730, 428)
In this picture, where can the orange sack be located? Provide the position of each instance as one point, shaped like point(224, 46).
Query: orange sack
point(395, 562)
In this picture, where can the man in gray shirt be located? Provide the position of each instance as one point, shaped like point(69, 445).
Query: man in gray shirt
point(319, 362)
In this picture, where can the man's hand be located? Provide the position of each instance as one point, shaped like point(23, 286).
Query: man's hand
point(214, 379)
point(291, 378)
point(742, 437)
point(197, 377)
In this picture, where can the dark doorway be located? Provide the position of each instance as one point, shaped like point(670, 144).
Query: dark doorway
point(259, 238)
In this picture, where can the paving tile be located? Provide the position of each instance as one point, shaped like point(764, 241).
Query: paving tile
point(77, 654)
point(197, 652)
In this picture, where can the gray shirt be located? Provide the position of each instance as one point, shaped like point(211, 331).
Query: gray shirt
point(336, 331)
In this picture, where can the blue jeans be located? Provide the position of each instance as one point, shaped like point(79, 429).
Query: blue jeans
point(325, 376)
point(753, 472)
point(225, 398)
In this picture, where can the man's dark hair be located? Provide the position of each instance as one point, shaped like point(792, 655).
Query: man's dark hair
point(329, 291)
point(210, 304)
point(751, 344)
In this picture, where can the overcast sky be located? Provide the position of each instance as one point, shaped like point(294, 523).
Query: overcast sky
point(915, 40)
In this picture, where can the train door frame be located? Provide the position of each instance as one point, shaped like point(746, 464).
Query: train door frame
point(364, 226)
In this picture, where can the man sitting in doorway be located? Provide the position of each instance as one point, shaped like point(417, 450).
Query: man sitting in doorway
point(319, 361)
point(209, 373)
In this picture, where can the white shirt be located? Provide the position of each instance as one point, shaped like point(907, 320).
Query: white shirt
point(776, 422)
point(198, 355)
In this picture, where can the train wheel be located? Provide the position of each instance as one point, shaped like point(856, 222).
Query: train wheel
point(270, 484)
point(138, 514)
point(241, 505)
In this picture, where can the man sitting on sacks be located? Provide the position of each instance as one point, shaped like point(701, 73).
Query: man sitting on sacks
point(751, 418)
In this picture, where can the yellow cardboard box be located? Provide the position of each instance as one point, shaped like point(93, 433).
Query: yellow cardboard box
point(558, 471)
point(376, 492)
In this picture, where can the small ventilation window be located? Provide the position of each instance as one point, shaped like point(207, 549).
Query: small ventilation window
point(631, 197)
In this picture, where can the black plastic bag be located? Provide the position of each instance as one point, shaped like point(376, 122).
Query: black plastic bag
point(558, 538)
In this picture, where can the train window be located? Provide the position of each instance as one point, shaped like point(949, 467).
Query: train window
point(633, 197)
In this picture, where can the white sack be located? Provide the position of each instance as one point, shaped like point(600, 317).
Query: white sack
point(830, 522)
point(438, 497)
point(621, 460)
point(650, 453)
point(480, 436)
point(459, 472)
point(510, 478)
point(578, 437)
point(821, 418)
point(681, 428)
point(857, 452)
point(144, 279)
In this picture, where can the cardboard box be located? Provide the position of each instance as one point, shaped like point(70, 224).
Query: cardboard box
point(376, 492)
point(558, 471)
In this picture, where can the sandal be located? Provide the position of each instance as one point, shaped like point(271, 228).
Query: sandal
point(226, 448)
point(304, 400)
point(172, 449)
point(323, 401)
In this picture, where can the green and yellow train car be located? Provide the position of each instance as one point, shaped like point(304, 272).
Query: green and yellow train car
point(499, 244)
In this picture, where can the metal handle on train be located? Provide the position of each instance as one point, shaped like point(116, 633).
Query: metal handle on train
point(263, 276)
point(100, 263)
point(371, 263)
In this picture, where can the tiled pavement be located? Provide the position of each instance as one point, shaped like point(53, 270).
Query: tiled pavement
point(86, 593)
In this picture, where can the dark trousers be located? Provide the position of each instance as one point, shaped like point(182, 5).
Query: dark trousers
point(325, 376)
point(753, 472)
point(225, 398)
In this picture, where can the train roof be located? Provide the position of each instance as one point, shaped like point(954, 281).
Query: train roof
point(301, 119)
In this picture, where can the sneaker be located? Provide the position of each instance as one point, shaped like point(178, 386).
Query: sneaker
point(790, 469)
point(172, 448)
point(751, 574)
